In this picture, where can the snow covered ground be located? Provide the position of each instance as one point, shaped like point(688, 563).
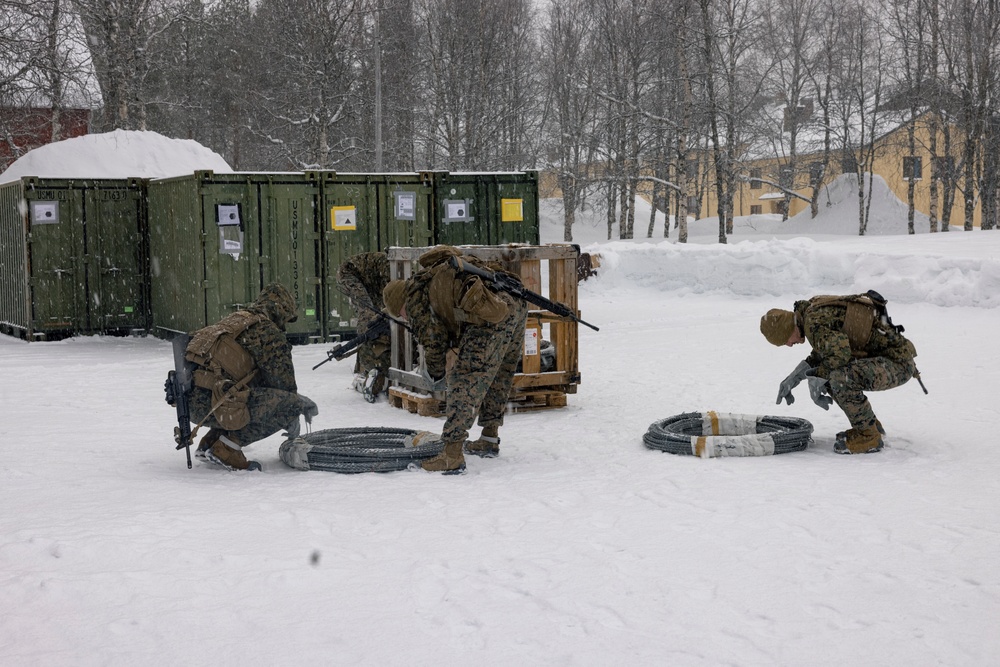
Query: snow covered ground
point(578, 546)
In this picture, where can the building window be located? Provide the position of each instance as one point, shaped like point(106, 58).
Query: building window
point(913, 168)
point(848, 163)
point(755, 183)
point(942, 167)
point(756, 209)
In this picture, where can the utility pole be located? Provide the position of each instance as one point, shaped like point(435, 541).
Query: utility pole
point(378, 92)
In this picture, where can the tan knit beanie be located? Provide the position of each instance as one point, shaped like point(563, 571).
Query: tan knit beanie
point(777, 326)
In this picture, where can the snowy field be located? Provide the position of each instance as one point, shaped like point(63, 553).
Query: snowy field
point(578, 546)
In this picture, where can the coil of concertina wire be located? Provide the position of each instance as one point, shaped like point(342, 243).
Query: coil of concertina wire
point(355, 450)
point(715, 434)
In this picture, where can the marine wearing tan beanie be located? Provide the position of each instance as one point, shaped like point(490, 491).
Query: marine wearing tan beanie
point(777, 326)
point(394, 296)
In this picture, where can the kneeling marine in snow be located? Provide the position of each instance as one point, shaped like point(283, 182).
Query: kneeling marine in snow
point(855, 348)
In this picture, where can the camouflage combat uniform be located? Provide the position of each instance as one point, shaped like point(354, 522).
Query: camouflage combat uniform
point(363, 277)
point(447, 310)
point(273, 401)
point(885, 362)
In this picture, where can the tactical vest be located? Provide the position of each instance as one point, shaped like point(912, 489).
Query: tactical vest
point(456, 299)
point(864, 314)
point(225, 368)
point(858, 320)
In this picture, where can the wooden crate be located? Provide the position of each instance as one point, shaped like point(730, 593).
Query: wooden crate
point(550, 270)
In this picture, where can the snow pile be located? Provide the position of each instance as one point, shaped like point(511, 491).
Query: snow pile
point(904, 271)
point(117, 154)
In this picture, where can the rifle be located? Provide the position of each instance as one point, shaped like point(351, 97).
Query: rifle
point(177, 389)
point(502, 282)
point(378, 328)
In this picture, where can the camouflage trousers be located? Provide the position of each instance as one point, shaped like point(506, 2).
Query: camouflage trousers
point(848, 384)
point(271, 410)
point(377, 353)
point(481, 378)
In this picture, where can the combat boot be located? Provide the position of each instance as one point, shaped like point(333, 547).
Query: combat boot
point(207, 441)
point(449, 462)
point(842, 435)
point(863, 441)
point(374, 384)
point(227, 453)
point(488, 445)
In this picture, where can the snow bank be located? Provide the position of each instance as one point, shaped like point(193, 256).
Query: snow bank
point(802, 256)
point(905, 273)
point(118, 154)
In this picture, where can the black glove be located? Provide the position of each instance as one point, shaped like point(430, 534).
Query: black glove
point(308, 408)
point(791, 382)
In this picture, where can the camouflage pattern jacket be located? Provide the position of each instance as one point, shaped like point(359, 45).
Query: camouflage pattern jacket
point(440, 301)
point(363, 277)
point(823, 328)
point(266, 341)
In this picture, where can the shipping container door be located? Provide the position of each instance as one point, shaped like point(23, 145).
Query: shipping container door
point(350, 220)
point(117, 254)
point(291, 249)
point(462, 216)
point(405, 205)
point(14, 278)
point(513, 202)
point(55, 241)
point(231, 214)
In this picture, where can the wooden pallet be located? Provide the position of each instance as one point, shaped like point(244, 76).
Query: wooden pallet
point(422, 404)
point(530, 401)
point(426, 405)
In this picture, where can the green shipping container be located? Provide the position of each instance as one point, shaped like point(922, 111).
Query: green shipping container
point(73, 257)
point(217, 239)
point(474, 208)
point(367, 213)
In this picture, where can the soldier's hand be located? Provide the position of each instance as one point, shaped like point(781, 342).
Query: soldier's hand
point(791, 382)
point(292, 431)
point(818, 392)
point(308, 408)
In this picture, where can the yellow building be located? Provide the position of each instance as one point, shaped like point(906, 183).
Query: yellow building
point(894, 161)
point(758, 190)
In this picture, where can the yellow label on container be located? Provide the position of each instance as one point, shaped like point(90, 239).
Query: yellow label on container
point(512, 210)
point(343, 218)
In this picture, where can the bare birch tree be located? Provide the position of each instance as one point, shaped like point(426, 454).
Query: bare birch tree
point(477, 84)
point(569, 64)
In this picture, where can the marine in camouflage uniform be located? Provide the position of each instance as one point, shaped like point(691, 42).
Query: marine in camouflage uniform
point(851, 363)
point(452, 310)
point(273, 400)
point(362, 278)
